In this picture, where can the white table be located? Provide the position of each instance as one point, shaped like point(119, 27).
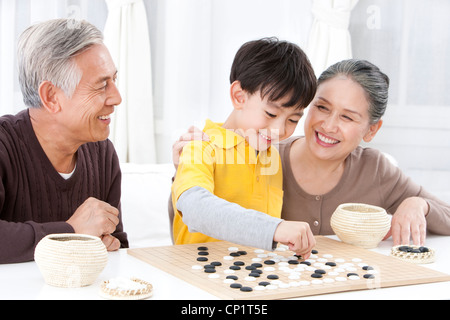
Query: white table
point(24, 281)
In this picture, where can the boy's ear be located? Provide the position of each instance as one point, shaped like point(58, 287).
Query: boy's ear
point(49, 97)
point(238, 95)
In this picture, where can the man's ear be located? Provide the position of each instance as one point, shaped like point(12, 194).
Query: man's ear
point(49, 97)
point(373, 129)
point(238, 95)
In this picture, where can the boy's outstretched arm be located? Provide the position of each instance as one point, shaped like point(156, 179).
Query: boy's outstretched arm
point(206, 213)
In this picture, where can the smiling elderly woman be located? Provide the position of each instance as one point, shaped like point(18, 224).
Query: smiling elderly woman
point(327, 166)
point(58, 171)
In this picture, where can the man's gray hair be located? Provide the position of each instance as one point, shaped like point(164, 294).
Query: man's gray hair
point(46, 52)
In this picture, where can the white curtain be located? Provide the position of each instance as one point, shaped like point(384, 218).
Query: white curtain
point(127, 38)
point(7, 55)
point(194, 43)
point(409, 40)
point(329, 38)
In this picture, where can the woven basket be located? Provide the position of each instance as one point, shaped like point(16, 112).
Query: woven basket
point(360, 224)
point(419, 258)
point(126, 294)
point(70, 260)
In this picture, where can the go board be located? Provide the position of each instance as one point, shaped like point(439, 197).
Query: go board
point(333, 267)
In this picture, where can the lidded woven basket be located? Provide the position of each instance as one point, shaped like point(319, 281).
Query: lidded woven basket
point(70, 260)
point(360, 224)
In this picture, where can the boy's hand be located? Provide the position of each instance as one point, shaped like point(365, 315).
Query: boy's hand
point(297, 236)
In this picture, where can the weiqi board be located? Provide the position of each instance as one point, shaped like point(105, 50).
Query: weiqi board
point(230, 271)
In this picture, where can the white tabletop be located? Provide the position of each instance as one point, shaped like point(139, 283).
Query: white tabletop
point(24, 280)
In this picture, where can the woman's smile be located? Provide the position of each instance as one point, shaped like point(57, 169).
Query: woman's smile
point(325, 141)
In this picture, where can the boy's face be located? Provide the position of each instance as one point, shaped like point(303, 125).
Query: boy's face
point(262, 122)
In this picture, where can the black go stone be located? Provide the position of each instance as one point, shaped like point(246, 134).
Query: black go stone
point(413, 250)
point(246, 289)
point(210, 270)
point(320, 271)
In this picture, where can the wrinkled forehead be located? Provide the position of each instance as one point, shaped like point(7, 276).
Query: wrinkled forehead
point(96, 63)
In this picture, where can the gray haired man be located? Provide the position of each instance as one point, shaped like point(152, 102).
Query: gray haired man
point(59, 172)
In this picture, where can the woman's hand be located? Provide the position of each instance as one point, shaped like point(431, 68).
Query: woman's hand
point(193, 133)
point(409, 222)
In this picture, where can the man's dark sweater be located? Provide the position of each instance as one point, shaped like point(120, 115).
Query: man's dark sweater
point(35, 200)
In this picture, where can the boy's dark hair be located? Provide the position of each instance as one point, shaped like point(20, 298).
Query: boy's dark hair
point(278, 69)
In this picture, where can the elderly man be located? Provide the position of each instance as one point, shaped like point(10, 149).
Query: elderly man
point(59, 173)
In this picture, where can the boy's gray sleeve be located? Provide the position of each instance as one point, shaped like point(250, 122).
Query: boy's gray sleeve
point(215, 217)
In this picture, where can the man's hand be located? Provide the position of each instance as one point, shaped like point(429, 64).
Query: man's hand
point(96, 218)
point(111, 243)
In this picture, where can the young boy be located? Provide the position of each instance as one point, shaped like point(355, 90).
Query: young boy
point(230, 187)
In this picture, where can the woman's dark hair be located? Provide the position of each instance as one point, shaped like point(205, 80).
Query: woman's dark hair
point(278, 69)
point(374, 82)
